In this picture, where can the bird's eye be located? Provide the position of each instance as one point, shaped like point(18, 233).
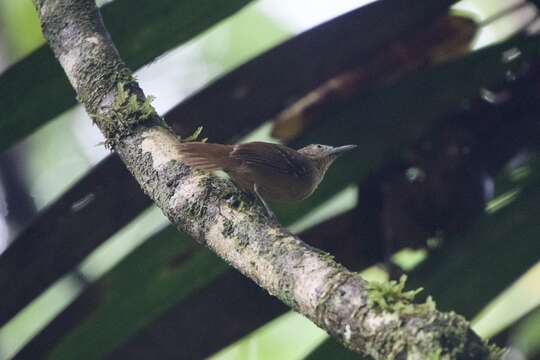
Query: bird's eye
point(319, 146)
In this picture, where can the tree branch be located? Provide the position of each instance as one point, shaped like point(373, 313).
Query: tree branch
point(377, 320)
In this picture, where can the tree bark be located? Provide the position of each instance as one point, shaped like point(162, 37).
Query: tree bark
point(379, 320)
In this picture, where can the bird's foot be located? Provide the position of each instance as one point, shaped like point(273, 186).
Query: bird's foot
point(269, 212)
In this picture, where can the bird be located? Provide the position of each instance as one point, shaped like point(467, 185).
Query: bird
point(270, 171)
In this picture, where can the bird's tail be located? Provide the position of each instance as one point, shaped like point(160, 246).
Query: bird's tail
point(205, 156)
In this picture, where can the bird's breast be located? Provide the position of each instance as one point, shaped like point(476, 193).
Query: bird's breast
point(277, 187)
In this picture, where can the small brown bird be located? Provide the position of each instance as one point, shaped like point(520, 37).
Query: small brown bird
point(270, 171)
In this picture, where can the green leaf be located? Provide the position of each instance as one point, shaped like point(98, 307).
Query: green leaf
point(158, 274)
point(526, 335)
point(35, 90)
point(331, 349)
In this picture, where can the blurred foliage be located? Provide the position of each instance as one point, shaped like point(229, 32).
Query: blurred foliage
point(524, 336)
point(188, 267)
point(22, 26)
point(24, 87)
point(232, 44)
point(273, 340)
point(511, 305)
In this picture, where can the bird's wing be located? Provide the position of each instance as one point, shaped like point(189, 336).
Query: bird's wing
point(268, 157)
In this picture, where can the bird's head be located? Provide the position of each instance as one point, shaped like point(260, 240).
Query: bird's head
point(324, 155)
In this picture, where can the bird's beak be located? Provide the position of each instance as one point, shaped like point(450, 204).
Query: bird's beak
point(342, 149)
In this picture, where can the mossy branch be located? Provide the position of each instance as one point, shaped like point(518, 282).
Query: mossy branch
point(124, 114)
point(376, 319)
point(390, 296)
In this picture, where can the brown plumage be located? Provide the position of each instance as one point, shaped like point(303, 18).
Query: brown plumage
point(271, 171)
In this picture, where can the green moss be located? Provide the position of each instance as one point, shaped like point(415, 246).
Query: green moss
point(242, 206)
point(195, 136)
point(389, 296)
point(446, 334)
point(124, 114)
point(495, 352)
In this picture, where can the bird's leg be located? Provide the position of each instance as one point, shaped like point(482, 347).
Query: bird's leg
point(268, 211)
